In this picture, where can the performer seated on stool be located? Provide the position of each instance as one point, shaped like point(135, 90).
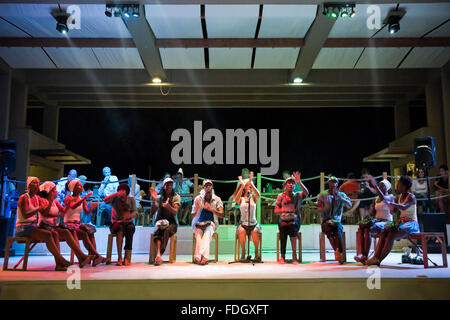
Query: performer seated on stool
point(48, 220)
point(369, 227)
point(288, 207)
point(407, 224)
point(331, 203)
point(206, 210)
point(27, 209)
point(74, 204)
point(248, 194)
point(167, 204)
point(123, 213)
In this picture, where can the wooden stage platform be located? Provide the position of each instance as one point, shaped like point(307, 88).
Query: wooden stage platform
point(184, 280)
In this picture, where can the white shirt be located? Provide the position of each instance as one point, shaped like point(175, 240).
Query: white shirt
point(420, 188)
point(216, 204)
point(243, 207)
point(110, 188)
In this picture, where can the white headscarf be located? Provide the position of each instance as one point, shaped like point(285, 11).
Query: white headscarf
point(72, 184)
point(31, 179)
point(47, 186)
point(387, 184)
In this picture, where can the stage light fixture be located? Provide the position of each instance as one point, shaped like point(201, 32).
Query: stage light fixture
point(108, 11)
point(393, 20)
point(117, 12)
point(61, 23)
point(336, 9)
point(344, 13)
point(335, 13)
point(136, 11)
point(297, 80)
point(156, 80)
point(125, 10)
point(353, 13)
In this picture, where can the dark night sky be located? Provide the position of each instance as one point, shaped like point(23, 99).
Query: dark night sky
point(128, 140)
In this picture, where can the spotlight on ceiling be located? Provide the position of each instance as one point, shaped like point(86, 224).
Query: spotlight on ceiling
point(135, 13)
point(297, 80)
point(156, 80)
point(61, 20)
point(334, 9)
point(108, 11)
point(393, 20)
point(125, 10)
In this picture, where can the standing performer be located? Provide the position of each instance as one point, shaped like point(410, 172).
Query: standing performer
point(74, 204)
point(48, 220)
point(108, 186)
point(27, 208)
point(288, 207)
point(166, 204)
point(123, 212)
point(206, 210)
point(246, 196)
point(331, 203)
point(407, 224)
point(369, 227)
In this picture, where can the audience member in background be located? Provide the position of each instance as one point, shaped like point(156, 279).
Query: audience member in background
point(166, 205)
point(287, 207)
point(331, 204)
point(369, 227)
point(407, 224)
point(61, 186)
point(159, 186)
point(420, 189)
point(108, 186)
point(247, 196)
point(123, 212)
point(183, 186)
point(26, 224)
point(48, 220)
point(366, 194)
point(441, 186)
point(351, 188)
point(206, 210)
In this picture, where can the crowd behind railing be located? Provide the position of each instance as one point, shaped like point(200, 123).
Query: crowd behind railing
point(358, 190)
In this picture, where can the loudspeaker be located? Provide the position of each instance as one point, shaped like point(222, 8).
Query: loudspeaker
point(433, 222)
point(7, 156)
point(425, 152)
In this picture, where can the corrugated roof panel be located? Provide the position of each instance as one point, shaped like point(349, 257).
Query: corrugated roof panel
point(230, 58)
point(381, 58)
point(119, 58)
point(174, 21)
point(73, 58)
point(26, 58)
point(231, 21)
point(276, 58)
point(429, 57)
point(182, 58)
point(286, 21)
point(337, 58)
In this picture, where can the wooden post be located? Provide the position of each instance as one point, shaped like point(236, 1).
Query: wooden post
point(258, 204)
point(195, 185)
point(322, 181)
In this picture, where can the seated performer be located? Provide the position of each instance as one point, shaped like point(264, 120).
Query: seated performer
point(369, 227)
point(123, 213)
point(48, 220)
point(26, 223)
point(166, 205)
point(206, 210)
point(331, 203)
point(407, 224)
point(288, 207)
point(246, 196)
point(74, 204)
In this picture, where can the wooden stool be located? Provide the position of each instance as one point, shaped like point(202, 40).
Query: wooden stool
point(299, 245)
point(358, 246)
point(29, 245)
point(237, 247)
point(216, 247)
point(173, 249)
point(119, 242)
point(322, 247)
point(424, 237)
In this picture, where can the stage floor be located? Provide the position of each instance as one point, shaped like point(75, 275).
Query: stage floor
point(268, 280)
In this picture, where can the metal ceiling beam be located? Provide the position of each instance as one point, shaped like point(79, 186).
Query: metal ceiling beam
point(314, 41)
point(229, 78)
point(145, 43)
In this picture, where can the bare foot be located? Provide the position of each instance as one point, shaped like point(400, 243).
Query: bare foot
point(281, 261)
point(197, 259)
point(97, 261)
point(204, 261)
point(60, 267)
point(158, 260)
point(373, 261)
point(126, 262)
point(294, 262)
point(84, 261)
point(360, 258)
point(119, 262)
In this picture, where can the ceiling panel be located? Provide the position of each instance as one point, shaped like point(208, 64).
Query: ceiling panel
point(119, 58)
point(230, 58)
point(381, 58)
point(174, 21)
point(182, 58)
point(431, 57)
point(26, 58)
point(73, 58)
point(286, 21)
point(442, 31)
point(337, 58)
point(276, 58)
point(36, 20)
point(231, 21)
point(8, 30)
